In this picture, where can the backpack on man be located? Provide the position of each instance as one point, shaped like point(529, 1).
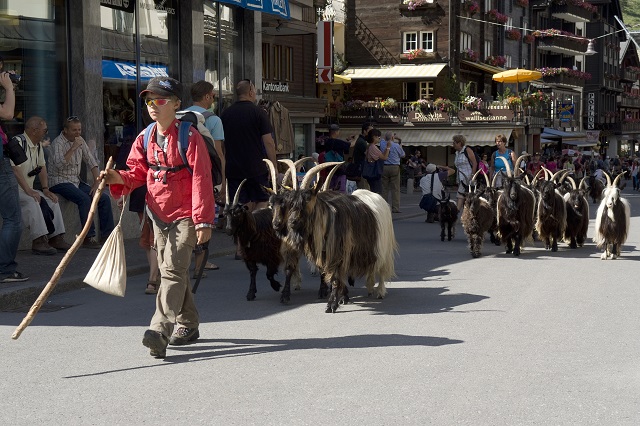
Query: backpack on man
point(474, 153)
point(190, 121)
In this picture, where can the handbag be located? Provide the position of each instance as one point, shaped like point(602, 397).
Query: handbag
point(47, 214)
point(109, 271)
point(428, 201)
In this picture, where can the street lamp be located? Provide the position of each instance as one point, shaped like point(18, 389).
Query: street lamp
point(590, 50)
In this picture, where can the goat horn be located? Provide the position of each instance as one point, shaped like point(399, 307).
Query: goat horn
point(302, 160)
point(475, 175)
point(486, 179)
point(582, 183)
point(535, 178)
point(333, 171)
point(573, 182)
point(506, 165)
point(236, 197)
point(547, 173)
point(526, 179)
point(493, 181)
point(290, 171)
point(617, 179)
point(314, 170)
point(553, 177)
point(564, 175)
point(272, 170)
point(517, 163)
point(608, 178)
point(226, 194)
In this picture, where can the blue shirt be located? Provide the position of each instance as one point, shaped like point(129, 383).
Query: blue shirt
point(213, 123)
point(395, 153)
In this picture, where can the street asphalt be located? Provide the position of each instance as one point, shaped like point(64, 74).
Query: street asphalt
point(542, 339)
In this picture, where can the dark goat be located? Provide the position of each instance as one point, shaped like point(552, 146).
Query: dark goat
point(516, 204)
point(596, 187)
point(577, 215)
point(477, 218)
point(552, 213)
point(612, 221)
point(448, 216)
point(340, 234)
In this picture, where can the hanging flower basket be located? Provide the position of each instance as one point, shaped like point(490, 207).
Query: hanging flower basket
point(513, 34)
point(495, 16)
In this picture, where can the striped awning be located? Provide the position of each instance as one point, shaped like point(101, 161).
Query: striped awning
point(443, 137)
point(484, 67)
point(394, 71)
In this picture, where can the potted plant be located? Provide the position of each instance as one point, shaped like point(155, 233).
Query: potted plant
point(420, 104)
point(444, 105)
point(388, 103)
point(472, 103)
point(472, 7)
point(512, 34)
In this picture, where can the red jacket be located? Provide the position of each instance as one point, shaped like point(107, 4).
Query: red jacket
point(183, 195)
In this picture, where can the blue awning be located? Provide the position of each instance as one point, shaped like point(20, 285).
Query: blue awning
point(273, 7)
point(127, 70)
point(550, 133)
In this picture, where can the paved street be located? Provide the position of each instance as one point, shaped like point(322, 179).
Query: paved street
point(547, 338)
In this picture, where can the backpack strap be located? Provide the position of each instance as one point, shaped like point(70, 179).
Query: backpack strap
point(207, 114)
point(147, 135)
point(183, 141)
point(23, 143)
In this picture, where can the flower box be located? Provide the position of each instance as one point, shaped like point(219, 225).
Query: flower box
point(564, 79)
point(409, 6)
point(512, 34)
point(561, 44)
point(570, 12)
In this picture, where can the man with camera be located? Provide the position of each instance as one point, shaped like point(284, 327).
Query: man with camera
point(31, 201)
point(9, 204)
point(68, 151)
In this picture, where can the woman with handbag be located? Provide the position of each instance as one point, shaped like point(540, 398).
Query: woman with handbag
point(374, 164)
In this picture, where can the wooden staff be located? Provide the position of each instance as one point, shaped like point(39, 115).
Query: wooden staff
point(44, 295)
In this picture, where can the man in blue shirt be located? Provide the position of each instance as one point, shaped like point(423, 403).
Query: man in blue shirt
point(391, 172)
point(202, 93)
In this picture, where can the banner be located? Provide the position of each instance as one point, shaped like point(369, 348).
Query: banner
point(272, 7)
point(127, 70)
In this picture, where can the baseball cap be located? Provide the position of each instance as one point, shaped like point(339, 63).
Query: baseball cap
point(165, 86)
point(334, 127)
point(430, 168)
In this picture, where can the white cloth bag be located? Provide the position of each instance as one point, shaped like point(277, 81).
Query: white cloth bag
point(109, 271)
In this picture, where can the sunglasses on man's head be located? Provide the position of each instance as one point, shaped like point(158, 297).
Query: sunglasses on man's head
point(157, 102)
point(73, 118)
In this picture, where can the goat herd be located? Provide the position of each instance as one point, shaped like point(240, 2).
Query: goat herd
point(348, 236)
point(555, 208)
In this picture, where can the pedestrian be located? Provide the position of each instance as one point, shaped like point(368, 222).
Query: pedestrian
point(44, 240)
point(180, 204)
point(10, 205)
point(359, 154)
point(634, 175)
point(466, 166)
point(391, 171)
point(68, 151)
point(203, 95)
point(496, 166)
point(248, 140)
point(374, 154)
point(438, 175)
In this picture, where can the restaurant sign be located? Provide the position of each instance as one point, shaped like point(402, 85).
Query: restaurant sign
point(486, 115)
point(417, 118)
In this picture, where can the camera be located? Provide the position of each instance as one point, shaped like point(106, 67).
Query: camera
point(15, 78)
point(35, 171)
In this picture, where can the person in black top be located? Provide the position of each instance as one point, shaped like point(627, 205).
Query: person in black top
point(360, 150)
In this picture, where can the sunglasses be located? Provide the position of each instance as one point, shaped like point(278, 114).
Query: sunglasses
point(73, 118)
point(157, 102)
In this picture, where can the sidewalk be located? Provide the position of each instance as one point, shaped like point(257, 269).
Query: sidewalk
point(41, 268)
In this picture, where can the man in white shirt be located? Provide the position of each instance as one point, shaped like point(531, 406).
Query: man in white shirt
point(44, 241)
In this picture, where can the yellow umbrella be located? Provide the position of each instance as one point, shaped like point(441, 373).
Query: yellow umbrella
point(517, 76)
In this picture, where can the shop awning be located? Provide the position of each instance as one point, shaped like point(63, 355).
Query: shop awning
point(484, 67)
point(442, 137)
point(550, 133)
point(339, 79)
point(279, 8)
point(580, 143)
point(394, 71)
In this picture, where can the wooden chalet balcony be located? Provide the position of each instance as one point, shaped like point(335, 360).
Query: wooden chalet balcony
point(630, 127)
point(629, 102)
point(424, 7)
point(561, 44)
point(570, 13)
point(564, 79)
point(630, 76)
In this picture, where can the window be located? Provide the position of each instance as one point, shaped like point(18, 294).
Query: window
point(487, 5)
point(266, 61)
point(507, 63)
point(509, 24)
point(410, 42)
point(487, 49)
point(426, 90)
point(465, 41)
point(277, 62)
point(426, 41)
point(287, 64)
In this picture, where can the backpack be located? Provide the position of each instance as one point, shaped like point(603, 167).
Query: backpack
point(475, 154)
point(191, 120)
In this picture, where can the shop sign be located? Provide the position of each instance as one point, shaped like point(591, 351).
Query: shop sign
point(357, 117)
point(418, 118)
point(591, 111)
point(159, 6)
point(124, 5)
point(272, 7)
point(565, 112)
point(487, 115)
point(275, 87)
point(127, 70)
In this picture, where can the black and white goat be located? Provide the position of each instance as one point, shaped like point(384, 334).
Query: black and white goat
point(612, 220)
point(340, 234)
point(577, 214)
point(515, 210)
point(448, 216)
point(551, 218)
point(478, 217)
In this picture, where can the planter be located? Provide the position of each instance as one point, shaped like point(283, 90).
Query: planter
point(562, 45)
point(571, 13)
point(564, 79)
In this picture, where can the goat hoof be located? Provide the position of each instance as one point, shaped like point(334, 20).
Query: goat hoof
point(475, 255)
point(251, 297)
point(276, 286)
point(284, 299)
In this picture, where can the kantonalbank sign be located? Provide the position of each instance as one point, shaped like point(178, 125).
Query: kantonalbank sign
point(275, 87)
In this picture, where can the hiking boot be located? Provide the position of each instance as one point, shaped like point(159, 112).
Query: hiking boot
point(92, 243)
point(40, 246)
point(183, 336)
point(59, 243)
point(16, 277)
point(156, 342)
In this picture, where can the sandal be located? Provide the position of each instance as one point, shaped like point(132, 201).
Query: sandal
point(152, 288)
